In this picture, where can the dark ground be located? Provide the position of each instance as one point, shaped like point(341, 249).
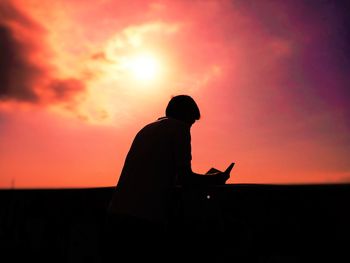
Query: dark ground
point(263, 223)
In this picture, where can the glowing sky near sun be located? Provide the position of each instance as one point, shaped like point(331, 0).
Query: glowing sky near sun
point(78, 79)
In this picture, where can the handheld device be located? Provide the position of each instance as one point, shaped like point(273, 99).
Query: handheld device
point(229, 168)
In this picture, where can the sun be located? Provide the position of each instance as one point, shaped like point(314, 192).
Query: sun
point(143, 67)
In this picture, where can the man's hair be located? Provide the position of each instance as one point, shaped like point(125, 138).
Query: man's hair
point(183, 107)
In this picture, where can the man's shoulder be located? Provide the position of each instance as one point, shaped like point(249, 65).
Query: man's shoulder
point(168, 124)
point(171, 121)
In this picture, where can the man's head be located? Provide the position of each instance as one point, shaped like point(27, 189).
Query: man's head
point(183, 108)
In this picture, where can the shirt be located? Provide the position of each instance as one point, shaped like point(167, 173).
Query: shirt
point(159, 151)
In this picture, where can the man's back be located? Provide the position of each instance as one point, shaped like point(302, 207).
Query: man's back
point(151, 169)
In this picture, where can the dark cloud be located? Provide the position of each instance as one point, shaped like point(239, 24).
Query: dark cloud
point(23, 79)
point(65, 89)
point(17, 74)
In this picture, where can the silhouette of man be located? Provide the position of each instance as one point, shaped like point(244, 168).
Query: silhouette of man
point(158, 160)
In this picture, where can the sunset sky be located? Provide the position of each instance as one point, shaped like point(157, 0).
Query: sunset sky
point(79, 78)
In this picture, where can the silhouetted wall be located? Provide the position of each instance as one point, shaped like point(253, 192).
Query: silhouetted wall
point(278, 223)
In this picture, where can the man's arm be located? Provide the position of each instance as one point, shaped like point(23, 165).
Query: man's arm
point(183, 157)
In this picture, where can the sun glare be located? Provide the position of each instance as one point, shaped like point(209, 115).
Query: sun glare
point(143, 67)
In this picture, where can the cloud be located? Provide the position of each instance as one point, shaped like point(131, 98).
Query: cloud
point(65, 89)
point(25, 76)
point(17, 73)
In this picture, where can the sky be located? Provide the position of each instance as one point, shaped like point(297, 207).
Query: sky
point(79, 78)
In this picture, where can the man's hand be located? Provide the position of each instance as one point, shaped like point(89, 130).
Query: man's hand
point(223, 177)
